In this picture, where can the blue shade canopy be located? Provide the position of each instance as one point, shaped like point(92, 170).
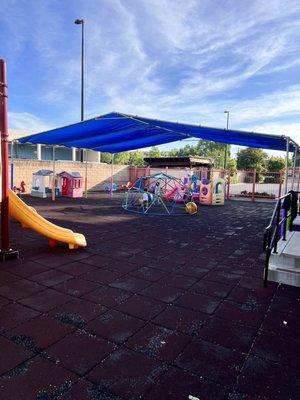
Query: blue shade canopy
point(117, 132)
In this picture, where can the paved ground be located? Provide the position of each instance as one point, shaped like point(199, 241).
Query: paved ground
point(154, 308)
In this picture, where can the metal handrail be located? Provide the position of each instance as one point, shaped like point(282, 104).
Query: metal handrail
point(272, 233)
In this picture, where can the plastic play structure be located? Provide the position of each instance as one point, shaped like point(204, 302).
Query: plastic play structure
point(212, 192)
point(159, 194)
point(42, 182)
point(71, 184)
point(29, 218)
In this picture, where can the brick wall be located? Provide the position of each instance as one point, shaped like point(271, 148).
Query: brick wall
point(97, 174)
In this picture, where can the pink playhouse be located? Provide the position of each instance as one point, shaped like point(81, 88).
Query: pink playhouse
point(72, 183)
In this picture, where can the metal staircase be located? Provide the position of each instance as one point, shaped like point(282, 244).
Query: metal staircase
point(282, 242)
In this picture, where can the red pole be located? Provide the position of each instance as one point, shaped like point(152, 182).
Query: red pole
point(6, 252)
point(4, 158)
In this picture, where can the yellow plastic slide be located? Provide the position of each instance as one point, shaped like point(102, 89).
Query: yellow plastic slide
point(29, 218)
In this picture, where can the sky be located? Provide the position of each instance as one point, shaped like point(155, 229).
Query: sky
point(180, 60)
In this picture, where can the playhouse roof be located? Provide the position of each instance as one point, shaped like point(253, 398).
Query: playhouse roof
point(72, 174)
point(44, 172)
point(116, 132)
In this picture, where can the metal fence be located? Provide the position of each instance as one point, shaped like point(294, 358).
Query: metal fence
point(248, 185)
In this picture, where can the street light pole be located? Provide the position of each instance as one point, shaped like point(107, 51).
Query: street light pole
point(81, 22)
point(225, 153)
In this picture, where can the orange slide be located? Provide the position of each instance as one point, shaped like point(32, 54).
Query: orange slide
point(29, 218)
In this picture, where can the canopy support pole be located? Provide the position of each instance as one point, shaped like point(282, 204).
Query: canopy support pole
point(86, 174)
point(286, 164)
point(112, 174)
point(6, 252)
point(294, 167)
point(53, 178)
point(12, 165)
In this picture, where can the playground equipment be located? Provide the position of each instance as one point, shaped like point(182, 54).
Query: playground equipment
point(29, 218)
point(71, 184)
point(158, 194)
point(42, 183)
point(212, 192)
point(191, 207)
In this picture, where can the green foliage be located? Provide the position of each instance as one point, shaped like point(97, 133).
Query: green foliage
point(276, 164)
point(231, 165)
point(248, 159)
point(154, 152)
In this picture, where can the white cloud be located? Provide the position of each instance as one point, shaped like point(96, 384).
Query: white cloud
point(27, 122)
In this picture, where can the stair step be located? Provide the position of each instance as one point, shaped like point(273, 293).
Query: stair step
point(292, 248)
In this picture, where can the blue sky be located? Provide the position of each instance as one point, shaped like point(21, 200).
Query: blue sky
point(182, 60)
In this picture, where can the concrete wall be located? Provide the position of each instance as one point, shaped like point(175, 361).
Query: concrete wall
point(98, 174)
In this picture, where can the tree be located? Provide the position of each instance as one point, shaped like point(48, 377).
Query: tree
point(276, 164)
point(231, 166)
point(248, 159)
point(154, 152)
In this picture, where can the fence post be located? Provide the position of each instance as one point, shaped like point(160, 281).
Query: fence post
point(228, 187)
point(253, 185)
point(280, 184)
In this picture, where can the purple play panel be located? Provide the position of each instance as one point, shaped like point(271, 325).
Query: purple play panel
point(155, 308)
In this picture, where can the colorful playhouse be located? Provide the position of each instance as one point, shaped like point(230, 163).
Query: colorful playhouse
point(72, 184)
point(42, 183)
point(212, 192)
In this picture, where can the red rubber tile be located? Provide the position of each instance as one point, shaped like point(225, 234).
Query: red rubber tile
point(50, 278)
point(14, 314)
point(248, 313)
point(217, 289)
point(121, 266)
point(199, 302)
point(165, 293)
point(76, 287)
point(76, 268)
point(141, 307)
point(20, 289)
point(4, 301)
point(282, 323)
point(227, 334)
point(242, 295)
point(6, 278)
point(127, 373)
point(178, 281)
point(27, 269)
point(156, 341)
point(36, 379)
point(186, 321)
point(275, 348)
point(85, 390)
point(149, 274)
point(178, 385)
point(115, 326)
point(108, 296)
point(42, 331)
point(130, 283)
point(11, 355)
point(223, 277)
point(102, 276)
point(52, 261)
point(46, 300)
point(77, 312)
point(216, 363)
point(97, 260)
point(80, 351)
point(261, 378)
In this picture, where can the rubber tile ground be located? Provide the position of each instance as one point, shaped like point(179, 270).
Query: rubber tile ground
point(154, 308)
